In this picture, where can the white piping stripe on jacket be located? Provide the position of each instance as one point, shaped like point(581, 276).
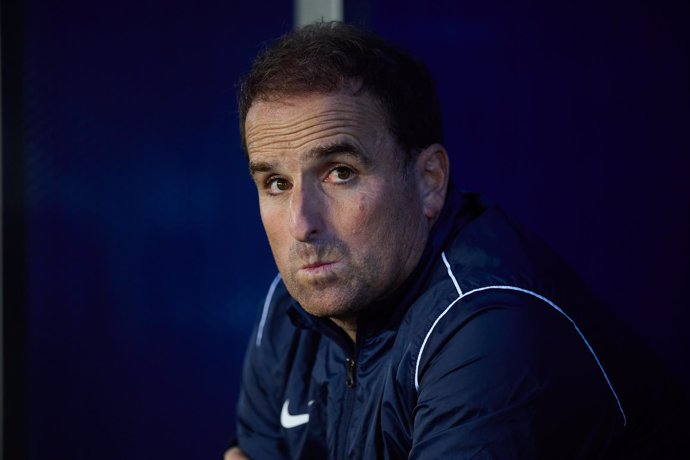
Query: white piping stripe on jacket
point(452, 276)
point(264, 313)
point(512, 288)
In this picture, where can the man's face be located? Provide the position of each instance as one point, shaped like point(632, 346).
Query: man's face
point(345, 225)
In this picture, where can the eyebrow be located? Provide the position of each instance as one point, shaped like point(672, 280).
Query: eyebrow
point(259, 166)
point(337, 148)
point(318, 153)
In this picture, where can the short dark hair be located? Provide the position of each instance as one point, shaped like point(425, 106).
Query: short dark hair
point(322, 57)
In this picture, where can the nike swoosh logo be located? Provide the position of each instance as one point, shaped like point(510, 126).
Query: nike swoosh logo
point(290, 421)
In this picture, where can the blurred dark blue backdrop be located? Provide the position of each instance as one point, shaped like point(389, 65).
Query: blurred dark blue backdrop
point(139, 256)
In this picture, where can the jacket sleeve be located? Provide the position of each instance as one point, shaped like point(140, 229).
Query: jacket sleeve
point(510, 380)
point(258, 409)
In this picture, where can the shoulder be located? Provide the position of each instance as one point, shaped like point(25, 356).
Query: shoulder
point(503, 305)
point(494, 320)
point(511, 328)
point(493, 276)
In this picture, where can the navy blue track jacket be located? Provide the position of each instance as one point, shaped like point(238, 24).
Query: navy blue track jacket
point(491, 349)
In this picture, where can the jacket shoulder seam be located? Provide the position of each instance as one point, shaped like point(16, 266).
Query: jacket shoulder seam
point(266, 308)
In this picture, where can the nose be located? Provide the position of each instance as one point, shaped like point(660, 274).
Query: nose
point(306, 213)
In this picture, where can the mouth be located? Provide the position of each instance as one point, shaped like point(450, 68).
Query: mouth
point(319, 267)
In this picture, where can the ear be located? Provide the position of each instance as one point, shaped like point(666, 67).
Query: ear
point(432, 169)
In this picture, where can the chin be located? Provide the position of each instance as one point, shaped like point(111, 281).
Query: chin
point(324, 310)
point(323, 305)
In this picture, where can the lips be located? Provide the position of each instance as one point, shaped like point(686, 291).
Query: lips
point(320, 267)
point(315, 265)
point(318, 260)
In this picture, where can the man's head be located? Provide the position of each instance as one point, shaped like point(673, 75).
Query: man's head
point(329, 56)
point(347, 205)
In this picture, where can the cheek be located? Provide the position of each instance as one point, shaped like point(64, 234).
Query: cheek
point(275, 228)
point(359, 215)
point(365, 216)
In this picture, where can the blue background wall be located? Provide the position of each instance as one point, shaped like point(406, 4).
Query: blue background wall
point(137, 258)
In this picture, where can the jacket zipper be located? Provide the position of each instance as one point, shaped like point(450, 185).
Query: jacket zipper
point(348, 406)
point(350, 377)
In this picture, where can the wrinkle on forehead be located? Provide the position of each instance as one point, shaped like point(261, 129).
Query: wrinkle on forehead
point(294, 122)
point(301, 131)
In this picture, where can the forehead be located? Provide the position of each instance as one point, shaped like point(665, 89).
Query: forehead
point(294, 123)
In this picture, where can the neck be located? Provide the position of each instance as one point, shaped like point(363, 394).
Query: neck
point(348, 324)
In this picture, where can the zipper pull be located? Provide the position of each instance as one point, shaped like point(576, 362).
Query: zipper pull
point(350, 368)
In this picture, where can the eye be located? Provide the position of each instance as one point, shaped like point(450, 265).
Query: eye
point(277, 185)
point(340, 175)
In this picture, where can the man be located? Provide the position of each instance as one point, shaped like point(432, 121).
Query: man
point(408, 319)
